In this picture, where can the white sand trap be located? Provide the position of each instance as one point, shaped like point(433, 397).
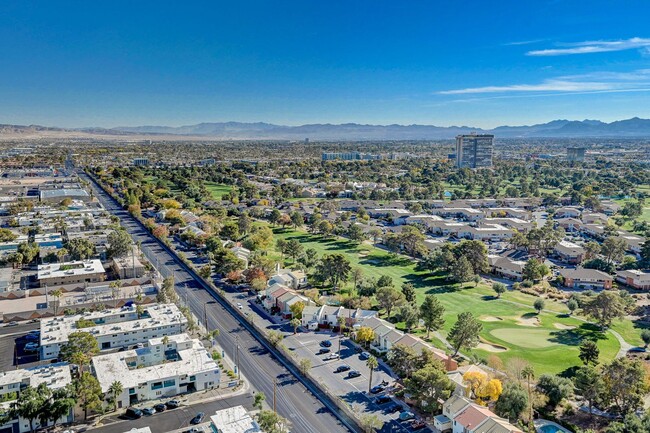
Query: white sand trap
point(489, 347)
point(563, 326)
point(490, 319)
point(528, 321)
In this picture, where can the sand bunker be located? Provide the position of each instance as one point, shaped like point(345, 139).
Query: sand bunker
point(528, 321)
point(563, 326)
point(490, 319)
point(489, 347)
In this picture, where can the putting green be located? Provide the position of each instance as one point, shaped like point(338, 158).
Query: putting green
point(528, 338)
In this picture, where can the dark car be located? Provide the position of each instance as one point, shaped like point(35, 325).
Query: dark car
point(353, 373)
point(417, 425)
point(377, 389)
point(32, 337)
point(172, 404)
point(326, 343)
point(198, 419)
point(395, 407)
point(358, 349)
point(342, 368)
point(364, 356)
point(323, 350)
point(133, 413)
point(382, 399)
point(160, 407)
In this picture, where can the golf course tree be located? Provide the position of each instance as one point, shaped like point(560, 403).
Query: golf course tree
point(431, 313)
point(409, 314)
point(626, 384)
point(604, 308)
point(465, 332)
point(645, 336)
point(572, 305)
point(429, 386)
point(499, 289)
point(476, 254)
point(534, 270)
point(538, 305)
point(554, 387)
point(613, 249)
point(589, 352)
point(512, 402)
point(409, 292)
point(334, 268)
point(589, 384)
point(388, 298)
point(461, 270)
point(80, 348)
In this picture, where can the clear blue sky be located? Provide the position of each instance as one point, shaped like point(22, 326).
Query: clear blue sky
point(479, 63)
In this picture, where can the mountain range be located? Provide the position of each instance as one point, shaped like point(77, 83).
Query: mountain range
point(632, 128)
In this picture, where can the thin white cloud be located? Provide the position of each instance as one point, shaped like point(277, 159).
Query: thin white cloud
point(589, 47)
point(532, 41)
point(602, 81)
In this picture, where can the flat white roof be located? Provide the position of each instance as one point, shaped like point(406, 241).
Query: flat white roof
point(59, 270)
point(54, 375)
point(234, 420)
point(57, 329)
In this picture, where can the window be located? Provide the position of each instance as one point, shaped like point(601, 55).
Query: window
point(131, 390)
point(156, 385)
point(171, 382)
point(192, 378)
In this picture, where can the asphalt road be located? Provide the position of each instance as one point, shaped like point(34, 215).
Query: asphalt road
point(293, 400)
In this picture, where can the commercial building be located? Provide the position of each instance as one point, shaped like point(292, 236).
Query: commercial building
point(58, 274)
point(474, 150)
point(127, 267)
point(12, 382)
point(57, 195)
point(140, 162)
point(575, 154)
point(116, 328)
point(349, 156)
point(165, 367)
point(234, 420)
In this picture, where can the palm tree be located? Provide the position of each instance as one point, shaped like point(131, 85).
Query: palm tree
point(139, 309)
point(115, 390)
point(371, 363)
point(295, 323)
point(61, 253)
point(529, 374)
point(57, 294)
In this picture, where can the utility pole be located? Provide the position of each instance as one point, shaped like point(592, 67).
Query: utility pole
point(275, 383)
point(237, 361)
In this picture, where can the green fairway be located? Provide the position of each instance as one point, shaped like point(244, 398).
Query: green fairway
point(549, 341)
point(217, 189)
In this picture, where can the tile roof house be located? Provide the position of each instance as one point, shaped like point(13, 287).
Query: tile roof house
point(634, 278)
point(470, 418)
point(586, 278)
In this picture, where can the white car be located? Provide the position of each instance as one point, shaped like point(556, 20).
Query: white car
point(239, 305)
point(332, 356)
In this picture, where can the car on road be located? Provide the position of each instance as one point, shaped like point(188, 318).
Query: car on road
point(198, 419)
point(406, 415)
point(172, 404)
point(342, 368)
point(12, 323)
point(353, 374)
point(160, 407)
point(418, 425)
point(377, 389)
point(382, 399)
point(31, 347)
point(133, 413)
point(364, 356)
point(326, 343)
point(148, 411)
point(193, 430)
point(636, 350)
point(332, 356)
point(323, 350)
point(239, 305)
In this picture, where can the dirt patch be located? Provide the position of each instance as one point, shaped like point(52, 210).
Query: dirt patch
point(363, 253)
point(528, 321)
point(490, 319)
point(489, 347)
point(563, 326)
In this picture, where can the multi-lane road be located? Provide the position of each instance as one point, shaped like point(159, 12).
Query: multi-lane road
point(294, 400)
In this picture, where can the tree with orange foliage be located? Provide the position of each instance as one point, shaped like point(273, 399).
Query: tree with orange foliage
point(484, 389)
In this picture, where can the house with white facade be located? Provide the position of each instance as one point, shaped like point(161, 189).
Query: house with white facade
point(506, 267)
point(165, 367)
point(569, 252)
point(634, 278)
point(327, 316)
point(116, 328)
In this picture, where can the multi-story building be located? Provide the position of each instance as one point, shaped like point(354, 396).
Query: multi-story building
point(117, 328)
point(576, 154)
point(165, 367)
point(58, 274)
point(349, 156)
point(634, 278)
point(474, 150)
point(141, 162)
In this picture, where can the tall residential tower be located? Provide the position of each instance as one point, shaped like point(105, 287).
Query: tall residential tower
point(474, 150)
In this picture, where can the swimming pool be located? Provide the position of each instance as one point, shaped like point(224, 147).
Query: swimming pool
point(545, 426)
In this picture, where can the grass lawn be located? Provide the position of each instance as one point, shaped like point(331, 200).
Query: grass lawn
point(510, 326)
point(217, 189)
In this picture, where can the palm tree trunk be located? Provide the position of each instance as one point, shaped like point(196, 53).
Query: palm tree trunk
point(370, 381)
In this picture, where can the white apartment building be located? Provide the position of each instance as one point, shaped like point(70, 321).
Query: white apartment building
point(58, 274)
point(55, 376)
point(165, 367)
point(116, 328)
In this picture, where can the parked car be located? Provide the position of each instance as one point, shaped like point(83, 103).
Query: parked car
point(377, 389)
point(198, 419)
point(358, 349)
point(326, 343)
point(342, 368)
point(148, 411)
point(417, 425)
point(382, 399)
point(160, 407)
point(406, 415)
point(239, 305)
point(31, 347)
point(172, 404)
point(133, 413)
point(32, 337)
point(364, 356)
point(332, 356)
point(353, 374)
point(323, 350)
point(395, 407)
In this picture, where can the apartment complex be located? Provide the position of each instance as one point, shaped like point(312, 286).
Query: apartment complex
point(474, 150)
point(575, 154)
point(117, 328)
point(58, 274)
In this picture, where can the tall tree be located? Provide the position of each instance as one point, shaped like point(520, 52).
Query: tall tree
point(613, 249)
point(80, 348)
point(115, 390)
point(119, 243)
point(512, 402)
point(372, 364)
point(388, 298)
point(589, 352)
point(431, 313)
point(465, 332)
point(409, 292)
point(604, 308)
point(461, 270)
point(89, 392)
point(589, 384)
point(625, 384)
point(429, 386)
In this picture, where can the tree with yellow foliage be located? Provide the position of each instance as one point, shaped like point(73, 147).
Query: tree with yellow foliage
point(483, 389)
point(365, 335)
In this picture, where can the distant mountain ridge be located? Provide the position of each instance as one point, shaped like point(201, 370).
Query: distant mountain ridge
point(562, 128)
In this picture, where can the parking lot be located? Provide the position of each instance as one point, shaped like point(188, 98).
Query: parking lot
point(12, 344)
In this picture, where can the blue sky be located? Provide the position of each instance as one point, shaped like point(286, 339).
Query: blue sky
point(478, 63)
